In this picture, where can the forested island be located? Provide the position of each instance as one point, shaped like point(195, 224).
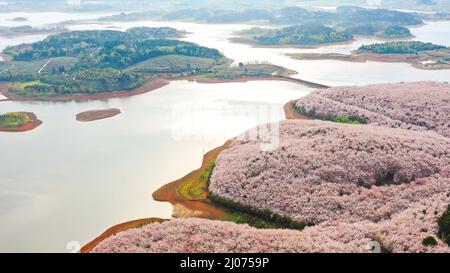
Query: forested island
point(281, 16)
point(419, 54)
point(95, 62)
point(325, 26)
point(19, 19)
point(306, 35)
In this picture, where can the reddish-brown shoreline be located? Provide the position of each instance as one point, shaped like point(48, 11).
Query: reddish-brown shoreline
point(151, 85)
point(363, 57)
point(34, 123)
point(246, 41)
point(169, 192)
point(116, 229)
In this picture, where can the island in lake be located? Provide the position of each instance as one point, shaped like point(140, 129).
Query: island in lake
point(108, 63)
point(381, 23)
point(11, 32)
point(97, 114)
point(314, 28)
point(19, 19)
point(296, 26)
point(18, 122)
point(420, 55)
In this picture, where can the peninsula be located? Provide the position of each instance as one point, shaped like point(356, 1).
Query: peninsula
point(420, 55)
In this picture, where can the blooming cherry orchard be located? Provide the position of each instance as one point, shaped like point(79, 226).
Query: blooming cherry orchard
point(196, 235)
point(329, 173)
point(418, 106)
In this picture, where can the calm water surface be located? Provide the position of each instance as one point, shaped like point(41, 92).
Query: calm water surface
point(69, 181)
point(331, 73)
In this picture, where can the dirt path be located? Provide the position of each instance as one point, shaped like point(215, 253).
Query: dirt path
point(99, 114)
point(182, 207)
point(151, 85)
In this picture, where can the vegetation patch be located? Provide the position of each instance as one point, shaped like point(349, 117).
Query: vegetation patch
point(338, 118)
point(444, 226)
point(196, 189)
point(255, 70)
point(243, 214)
point(175, 64)
point(429, 241)
point(401, 47)
point(88, 62)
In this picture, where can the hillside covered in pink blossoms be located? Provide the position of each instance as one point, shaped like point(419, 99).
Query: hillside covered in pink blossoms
point(418, 106)
point(355, 183)
point(194, 235)
point(387, 180)
point(328, 173)
point(204, 236)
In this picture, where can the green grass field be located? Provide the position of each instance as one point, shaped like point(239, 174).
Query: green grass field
point(175, 62)
point(251, 70)
point(34, 67)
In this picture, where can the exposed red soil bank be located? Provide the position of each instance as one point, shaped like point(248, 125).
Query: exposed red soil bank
point(169, 192)
point(151, 85)
point(116, 229)
point(290, 112)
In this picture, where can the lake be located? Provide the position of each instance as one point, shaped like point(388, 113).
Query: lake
point(69, 181)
